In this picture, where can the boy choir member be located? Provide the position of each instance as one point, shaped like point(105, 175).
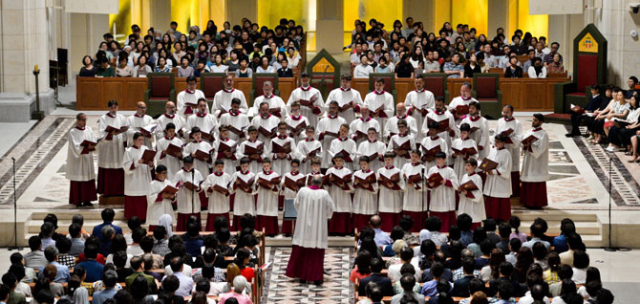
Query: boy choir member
point(137, 123)
point(281, 157)
point(290, 184)
point(308, 149)
point(462, 148)
point(242, 186)
point(459, 106)
point(200, 150)
point(339, 189)
point(372, 148)
point(380, 103)
point(171, 161)
point(429, 144)
point(391, 186)
point(80, 168)
point(170, 117)
point(328, 130)
point(188, 181)
point(472, 201)
point(497, 188)
point(253, 149)
point(309, 98)
point(414, 201)
point(535, 166)
point(222, 99)
point(391, 128)
point(365, 197)
point(315, 170)
point(136, 179)
point(225, 150)
point(344, 145)
point(359, 126)
point(439, 115)
point(111, 151)
point(442, 200)
point(511, 127)
point(349, 101)
point(204, 121)
point(216, 188)
point(158, 200)
point(479, 129)
point(236, 120)
point(419, 102)
point(188, 99)
point(267, 188)
point(296, 123)
point(266, 124)
point(277, 107)
point(401, 144)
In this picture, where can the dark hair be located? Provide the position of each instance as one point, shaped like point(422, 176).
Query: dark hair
point(110, 278)
point(428, 248)
point(63, 245)
point(171, 284)
point(108, 214)
point(604, 296)
point(139, 288)
point(454, 233)
point(524, 260)
point(504, 230)
point(74, 230)
point(396, 233)
point(18, 271)
point(505, 289)
point(565, 272)
point(138, 234)
point(506, 269)
point(90, 251)
point(539, 250)
point(464, 222)
point(468, 264)
point(118, 243)
point(580, 259)
point(406, 222)
point(176, 264)
point(479, 235)
point(514, 222)
point(515, 244)
point(146, 243)
point(159, 233)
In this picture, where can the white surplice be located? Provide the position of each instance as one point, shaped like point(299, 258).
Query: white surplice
point(185, 97)
point(185, 197)
point(347, 145)
point(111, 151)
point(307, 93)
point(286, 192)
point(239, 121)
point(390, 200)
point(391, 128)
point(328, 124)
point(361, 125)
point(243, 201)
point(396, 142)
point(172, 163)
point(499, 183)
point(156, 205)
point(164, 119)
point(375, 100)
point(368, 148)
point(473, 206)
point(365, 201)
point(438, 117)
point(275, 102)
point(315, 207)
point(229, 163)
point(516, 137)
point(282, 166)
point(431, 142)
point(443, 197)
point(344, 97)
point(417, 101)
point(137, 176)
point(459, 163)
point(305, 147)
point(255, 165)
point(80, 167)
point(202, 166)
point(480, 136)
point(535, 165)
point(206, 122)
point(218, 202)
point(340, 196)
point(269, 123)
point(137, 122)
point(459, 101)
point(222, 101)
point(267, 198)
point(413, 198)
point(295, 121)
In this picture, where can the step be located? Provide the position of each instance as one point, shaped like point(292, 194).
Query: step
point(593, 241)
point(33, 226)
point(67, 214)
point(583, 228)
point(554, 215)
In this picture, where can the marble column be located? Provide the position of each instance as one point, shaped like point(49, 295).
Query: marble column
point(421, 11)
point(160, 14)
point(330, 26)
point(498, 17)
point(23, 44)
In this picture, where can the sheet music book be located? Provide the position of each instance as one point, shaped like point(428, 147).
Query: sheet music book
point(148, 156)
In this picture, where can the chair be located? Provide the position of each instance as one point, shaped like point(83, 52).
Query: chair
point(258, 79)
point(486, 89)
point(436, 83)
point(389, 82)
point(160, 89)
point(210, 84)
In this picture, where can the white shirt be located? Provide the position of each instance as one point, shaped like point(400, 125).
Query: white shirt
point(184, 196)
point(137, 176)
point(267, 198)
point(362, 71)
point(136, 123)
point(391, 127)
point(365, 201)
point(535, 166)
point(164, 120)
point(111, 151)
point(516, 137)
point(480, 136)
point(308, 93)
point(473, 206)
point(415, 102)
point(222, 101)
point(218, 202)
point(244, 201)
point(344, 96)
point(341, 197)
point(156, 205)
point(390, 199)
point(499, 184)
point(375, 100)
point(239, 121)
point(413, 196)
point(443, 197)
point(206, 122)
point(314, 207)
point(275, 102)
point(80, 167)
point(360, 127)
point(188, 102)
point(328, 124)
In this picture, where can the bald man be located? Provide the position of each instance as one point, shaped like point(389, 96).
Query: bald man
point(143, 123)
point(391, 127)
point(276, 104)
point(382, 238)
point(170, 117)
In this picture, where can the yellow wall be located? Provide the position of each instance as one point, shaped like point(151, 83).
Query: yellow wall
point(537, 25)
point(122, 19)
point(370, 9)
point(443, 14)
point(475, 13)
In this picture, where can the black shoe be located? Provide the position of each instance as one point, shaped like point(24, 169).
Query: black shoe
point(318, 283)
point(287, 235)
point(570, 135)
point(87, 204)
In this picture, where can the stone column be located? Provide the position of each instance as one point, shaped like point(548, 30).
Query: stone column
point(421, 11)
point(498, 17)
point(160, 15)
point(330, 26)
point(23, 44)
point(238, 9)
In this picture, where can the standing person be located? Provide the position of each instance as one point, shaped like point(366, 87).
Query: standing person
point(315, 207)
point(253, 149)
point(241, 185)
point(206, 122)
point(472, 201)
point(136, 179)
point(414, 202)
point(265, 123)
point(140, 122)
point(289, 190)
point(236, 121)
point(111, 151)
point(200, 151)
point(419, 102)
point(296, 123)
point(479, 129)
point(170, 117)
point(447, 128)
point(188, 180)
point(80, 168)
point(462, 148)
point(222, 99)
point(345, 145)
point(172, 161)
point(159, 202)
point(391, 128)
point(267, 187)
point(442, 201)
point(328, 129)
point(497, 188)
point(340, 190)
point(188, 99)
point(365, 198)
point(276, 105)
point(391, 187)
point(401, 144)
point(512, 128)
point(459, 106)
point(535, 166)
point(225, 149)
point(282, 149)
point(349, 100)
point(215, 187)
point(380, 103)
point(309, 98)
point(432, 144)
point(308, 149)
point(358, 127)
point(373, 148)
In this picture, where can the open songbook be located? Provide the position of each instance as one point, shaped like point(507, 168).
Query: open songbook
point(390, 182)
point(508, 133)
point(468, 186)
point(174, 151)
point(379, 112)
point(88, 146)
point(345, 154)
point(148, 156)
point(443, 125)
point(460, 110)
point(267, 133)
point(436, 179)
point(327, 133)
point(202, 155)
point(294, 185)
point(466, 151)
point(244, 185)
point(269, 184)
point(430, 154)
point(286, 148)
point(220, 189)
point(488, 165)
point(297, 129)
point(147, 131)
point(367, 180)
point(170, 190)
point(531, 138)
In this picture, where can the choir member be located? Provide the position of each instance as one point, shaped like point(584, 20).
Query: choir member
point(188, 99)
point(497, 188)
point(414, 201)
point(222, 99)
point(171, 161)
point(462, 148)
point(296, 123)
point(315, 170)
point(429, 144)
point(111, 151)
point(309, 98)
point(511, 127)
point(479, 129)
point(380, 103)
point(344, 145)
point(253, 149)
point(225, 150)
point(340, 191)
point(188, 181)
point(314, 206)
point(140, 122)
point(277, 107)
point(358, 127)
point(419, 102)
point(266, 124)
point(372, 148)
point(401, 144)
point(442, 200)
point(204, 121)
point(535, 166)
point(282, 159)
point(459, 106)
point(136, 179)
point(170, 117)
point(391, 128)
point(80, 169)
point(158, 199)
point(267, 188)
point(472, 201)
point(238, 121)
point(216, 188)
point(390, 187)
point(439, 115)
point(289, 190)
point(242, 186)
point(308, 149)
point(200, 150)
point(349, 101)
point(365, 197)
point(328, 130)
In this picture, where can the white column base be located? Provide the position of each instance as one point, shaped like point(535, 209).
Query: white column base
point(17, 107)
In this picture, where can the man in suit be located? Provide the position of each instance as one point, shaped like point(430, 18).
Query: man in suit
point(595, 103)
point(461, 286)
point(107, 217)
point(383, 282)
